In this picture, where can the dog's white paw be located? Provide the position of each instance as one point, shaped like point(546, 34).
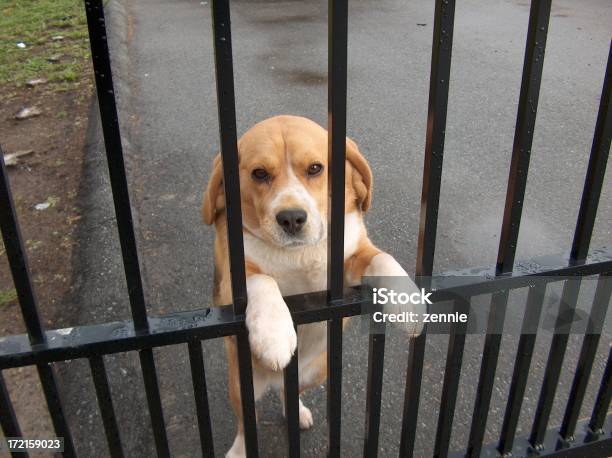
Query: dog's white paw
point(271, 333)
point(306, 420)
point(238, 449)
point(385, 272)
point(273, 345)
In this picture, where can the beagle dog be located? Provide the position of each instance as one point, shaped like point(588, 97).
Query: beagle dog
point(283, 184)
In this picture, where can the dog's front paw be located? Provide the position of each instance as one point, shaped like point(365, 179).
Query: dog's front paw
point(272, 337)
point(273, 345)
point(386, 274)
point(271, 332)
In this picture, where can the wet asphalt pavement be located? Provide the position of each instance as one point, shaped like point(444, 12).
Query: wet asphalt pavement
point(165, 82)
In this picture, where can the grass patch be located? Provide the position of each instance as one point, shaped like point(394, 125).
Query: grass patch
point(35, 23)
point(6, 297)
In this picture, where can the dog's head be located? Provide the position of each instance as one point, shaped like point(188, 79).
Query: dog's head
point(283, 182)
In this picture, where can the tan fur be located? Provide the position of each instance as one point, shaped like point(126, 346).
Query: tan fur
point(214, 200)
point(308, 142)
point(286, 146)
point(355, 266)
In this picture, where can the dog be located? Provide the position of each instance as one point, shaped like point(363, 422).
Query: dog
point(283, 183)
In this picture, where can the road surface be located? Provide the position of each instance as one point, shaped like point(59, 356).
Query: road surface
point(165, 77)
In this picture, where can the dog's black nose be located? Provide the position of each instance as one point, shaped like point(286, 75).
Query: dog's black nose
point(291, 220)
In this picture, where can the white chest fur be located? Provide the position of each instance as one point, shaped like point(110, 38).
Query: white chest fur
point(298, 271)
point(301, 270)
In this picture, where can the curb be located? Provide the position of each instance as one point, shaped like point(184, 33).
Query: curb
point(100, 291)
point(99, 275)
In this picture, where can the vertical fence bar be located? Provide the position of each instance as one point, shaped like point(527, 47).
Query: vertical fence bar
point(524, 353)
point(569, 297)
point(292, 403)
point(376, 360)
point(452, 375)
point(100, 56)
point(27, 300)
point(587, 356)
point(600, 151)
point(231, 181)
point(584, 228)
point(488, 367)
point(17, 257)
point(521, 152)
point(105, 402)
point(56, 410)
point(247, 395)
point(580, 247)
point(337, 70)
point(602, 402)
point(292, 411)
point(198, 378)
point(441, 53)
point(11, 235)
point(338, 29)
point(523, 137)
point(412, 394)
point(8, 419)
point(334, 386)
point(229, 149)
point(147, 362)
point(149, 375)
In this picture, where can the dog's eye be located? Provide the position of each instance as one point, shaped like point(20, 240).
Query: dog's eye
point(260, 175)
point(314, 169)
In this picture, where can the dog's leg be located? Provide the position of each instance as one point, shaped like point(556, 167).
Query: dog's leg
point(384, 265)
point(311, 376)
point(314, 374)
point(271, 333)
point(372, 262)
point(260, 383)
point(305, 415)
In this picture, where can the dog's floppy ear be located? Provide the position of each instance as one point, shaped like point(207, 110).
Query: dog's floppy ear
point(214, 196)
point(362, 175)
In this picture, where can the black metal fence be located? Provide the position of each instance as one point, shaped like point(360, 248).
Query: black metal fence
point(41, 348)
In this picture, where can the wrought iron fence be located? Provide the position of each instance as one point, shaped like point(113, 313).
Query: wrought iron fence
point(42, 348)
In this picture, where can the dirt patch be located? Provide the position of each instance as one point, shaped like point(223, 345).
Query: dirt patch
point(48, 179)
point(45, 184)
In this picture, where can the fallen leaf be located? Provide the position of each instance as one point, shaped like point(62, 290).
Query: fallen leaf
point(28, 112)
point(6, 297)
point(36, 82)
point(12, 158)
point(52, 200)
point(73, 219)
point(33, 244)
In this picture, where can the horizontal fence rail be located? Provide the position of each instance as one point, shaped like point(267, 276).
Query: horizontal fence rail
point(210, 323)
point(143, 333)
